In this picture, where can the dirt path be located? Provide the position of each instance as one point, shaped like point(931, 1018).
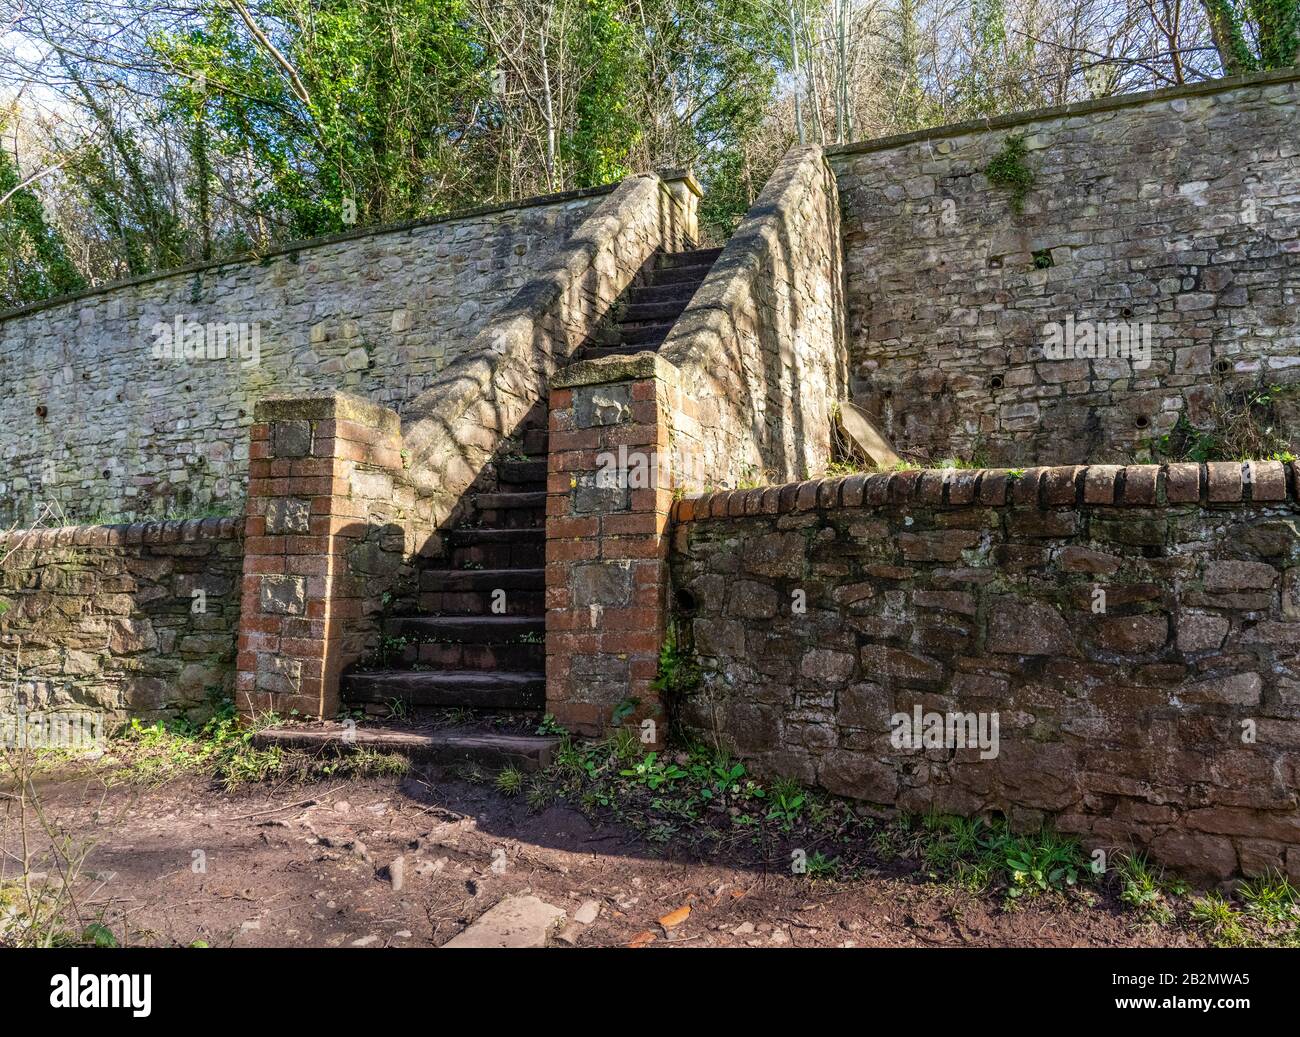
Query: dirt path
point(314, 865)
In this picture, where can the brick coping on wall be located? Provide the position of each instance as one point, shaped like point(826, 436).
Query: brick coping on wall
point(164, 531)
point(1146, 485)
point(1074, 108)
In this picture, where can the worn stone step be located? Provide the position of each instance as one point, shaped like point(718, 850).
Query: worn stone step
point(445, 747)
point(534, 442)
point(525, 657)
point(596, 352)
point(447, 688)
point(497, 548)
point(651, 312)
point(690, 257)
point(522, 552)
point(515, 472)
point(678, 275)
point(515, 519)
point(447, 580)
point(466, 629)
point(644, 294)
point(633, 334)
point(508, 501)
point(519, 603)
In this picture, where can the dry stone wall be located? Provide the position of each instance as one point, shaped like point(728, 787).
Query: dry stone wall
point(97, 422)
point(111, 621)
point(1169, 219)
point(1126, 640)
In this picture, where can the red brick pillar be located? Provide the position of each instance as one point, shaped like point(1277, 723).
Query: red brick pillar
point(319, 466)
point(610, 493)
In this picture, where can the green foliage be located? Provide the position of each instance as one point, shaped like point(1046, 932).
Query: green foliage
point(1242, 425)
point(1219, 920)
point(980, 854)
point(1008, 170)
point(34, 255)
point(678, 671)
point(787, 801)
point(223, 746)
point(1253, 35)
point(1043, 862)
point(652, 772)
point(1272, 898)
point(98, 935)
point(1144, 888)
point(509, 781)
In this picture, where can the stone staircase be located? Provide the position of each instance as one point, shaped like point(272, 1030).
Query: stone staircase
point(647, 310)
point(475, 649)
point(478, 641)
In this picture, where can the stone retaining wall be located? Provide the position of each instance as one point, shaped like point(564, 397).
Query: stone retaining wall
point(100, 424)
point(136, 620)
point(1173, 215)
point(1135, 630)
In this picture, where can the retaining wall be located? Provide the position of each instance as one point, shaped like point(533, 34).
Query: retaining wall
point(117, 621)
point(1135, 631)
point(1174, 215)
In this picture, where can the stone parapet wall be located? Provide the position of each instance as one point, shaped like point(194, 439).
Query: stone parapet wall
point(1135, 630)
point(761, 346)
point(99, 424)
point(1171, 218)
point(117, 621)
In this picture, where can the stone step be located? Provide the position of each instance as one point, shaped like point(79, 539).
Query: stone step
point(508, 501)
point(691, 257)
point(517, 603)
point(450, 580)
point(503, 658)
point(534, 442)
point(596, 352)
point(642, 294)
point(652, 312)
point(507, 549)
point(482, 630)
point(497, 548)
point(445, 747)
point(447, 688)
point(633, 334)
point(516, 472)
point(678, 275)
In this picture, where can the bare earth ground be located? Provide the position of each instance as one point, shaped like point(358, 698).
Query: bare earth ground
point(311, 865)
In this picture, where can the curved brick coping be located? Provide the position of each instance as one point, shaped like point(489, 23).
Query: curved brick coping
point(1150, 485)
point(169, 531)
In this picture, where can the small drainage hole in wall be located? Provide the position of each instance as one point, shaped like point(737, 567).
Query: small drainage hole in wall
point(1222, 366)
point(685, 601)
point(996, 382)
point(1142, 421)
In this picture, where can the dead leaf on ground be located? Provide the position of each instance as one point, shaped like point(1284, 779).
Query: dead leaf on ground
point(676, 917)
point(641, 939)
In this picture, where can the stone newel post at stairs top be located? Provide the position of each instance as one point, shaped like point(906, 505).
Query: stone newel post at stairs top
point(686, 192)
point(614, 425)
